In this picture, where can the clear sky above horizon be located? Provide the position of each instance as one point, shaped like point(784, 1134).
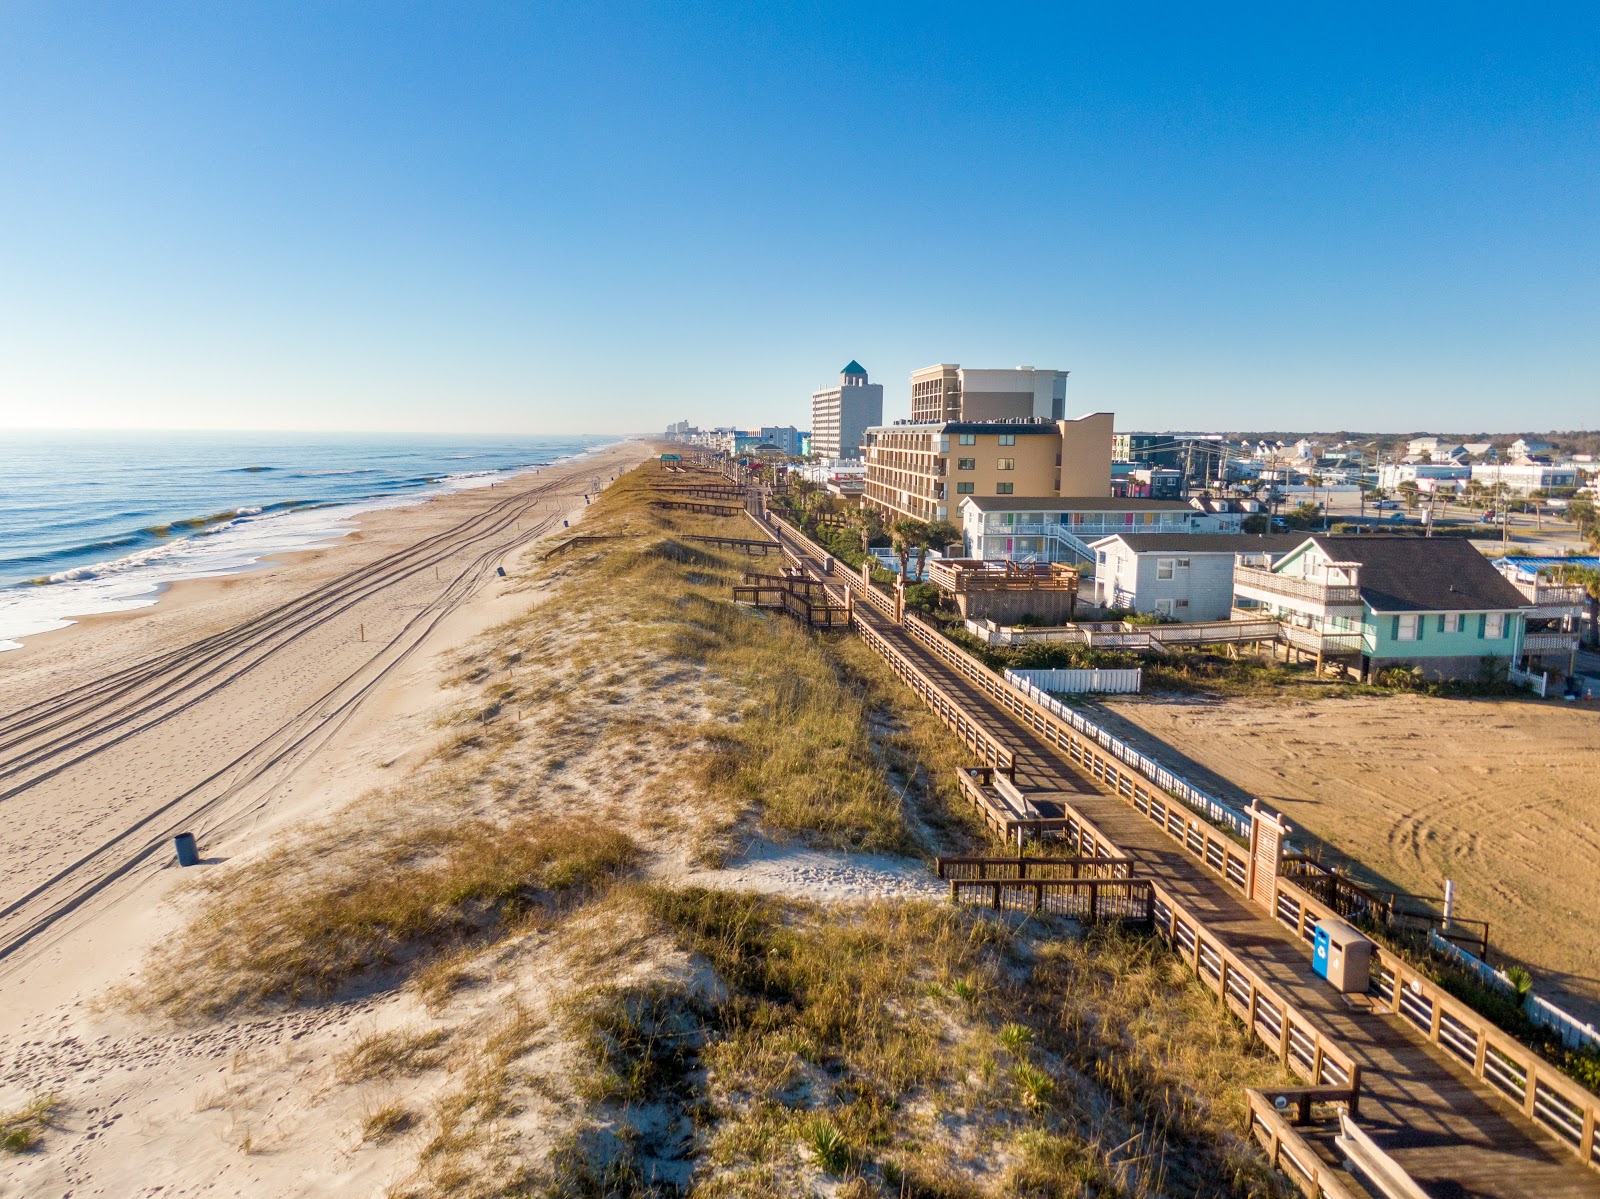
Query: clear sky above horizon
point(603, 217)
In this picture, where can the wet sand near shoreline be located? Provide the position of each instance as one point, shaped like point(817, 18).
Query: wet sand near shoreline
point(230, 707)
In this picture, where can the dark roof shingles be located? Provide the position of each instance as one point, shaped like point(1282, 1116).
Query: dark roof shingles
point(1423, 574)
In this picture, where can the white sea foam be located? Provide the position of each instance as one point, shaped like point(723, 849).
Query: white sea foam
point(247, 541)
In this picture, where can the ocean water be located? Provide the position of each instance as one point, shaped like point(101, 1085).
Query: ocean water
point(104, 522)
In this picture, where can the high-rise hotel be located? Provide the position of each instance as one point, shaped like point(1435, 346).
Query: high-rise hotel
point(841, 416)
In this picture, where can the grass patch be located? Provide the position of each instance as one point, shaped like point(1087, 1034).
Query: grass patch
point(400, 1053)
point(387, 1122)
point(933, 1049)
point(22, 1129)
point(294, 926)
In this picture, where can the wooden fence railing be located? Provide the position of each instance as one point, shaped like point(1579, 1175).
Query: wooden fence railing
point(1091, 899)
point(988, 748)
point(1288, 1032)
point(702, 507)
point(1397, 910)
point(572, 542)
point(1292, 1155)
point(1523, 1078)
point(986, 867)
point(1515, 1071)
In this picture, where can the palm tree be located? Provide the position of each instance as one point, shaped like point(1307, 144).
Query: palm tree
point(869, 523)
point(1588, 578)
point(908, 533)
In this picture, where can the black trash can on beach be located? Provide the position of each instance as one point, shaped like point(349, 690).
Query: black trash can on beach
point(188, 854)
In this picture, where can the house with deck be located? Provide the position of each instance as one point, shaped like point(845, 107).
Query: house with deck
point(1375, 602)
point(1062, 528)
point(1179, 576)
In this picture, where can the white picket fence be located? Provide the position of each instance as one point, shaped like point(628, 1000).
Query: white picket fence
point(1573, 1032)
point(1539, 684)
point(1067, 681)
point(1209, 806)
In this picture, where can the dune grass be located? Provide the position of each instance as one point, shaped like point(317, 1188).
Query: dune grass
point(22, 1129)
point(886, 1048)
point(917, 1049)
point(311, 919)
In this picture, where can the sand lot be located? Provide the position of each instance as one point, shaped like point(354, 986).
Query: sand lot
point(1503, 796)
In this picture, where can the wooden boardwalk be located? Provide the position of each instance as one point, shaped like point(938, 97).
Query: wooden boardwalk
point(1452, 1134)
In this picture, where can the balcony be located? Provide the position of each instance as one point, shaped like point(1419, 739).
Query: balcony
point(1314, 642)
point(1550, 643)
point(1553, 599)
point(1302, 595)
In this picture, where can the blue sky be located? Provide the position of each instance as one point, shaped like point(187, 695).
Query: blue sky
point(563, 218)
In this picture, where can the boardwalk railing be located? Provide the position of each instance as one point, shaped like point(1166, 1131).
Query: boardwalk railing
point(1531, 1084)
point(1292, 1154)
point(1154, 773)
point(572, 542)
point(1296, 1041)
point(1398, 910)
point(972, 732)
point(1124, 900)
point(988, 868)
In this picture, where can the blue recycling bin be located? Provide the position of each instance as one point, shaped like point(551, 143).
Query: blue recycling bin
point(1319, 951)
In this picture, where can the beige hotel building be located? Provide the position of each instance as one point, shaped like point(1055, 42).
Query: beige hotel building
point(923, 469)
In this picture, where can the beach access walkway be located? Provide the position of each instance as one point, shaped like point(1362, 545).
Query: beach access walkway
point(1453, 1134)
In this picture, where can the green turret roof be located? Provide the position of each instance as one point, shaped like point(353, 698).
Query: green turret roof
point(855, 368)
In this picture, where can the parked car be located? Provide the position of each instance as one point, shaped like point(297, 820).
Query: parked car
point(1384, 505)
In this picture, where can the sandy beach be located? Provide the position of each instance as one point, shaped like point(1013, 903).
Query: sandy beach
point(230, 709)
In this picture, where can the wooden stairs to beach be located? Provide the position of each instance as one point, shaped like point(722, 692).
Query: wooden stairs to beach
point(1457, 1105)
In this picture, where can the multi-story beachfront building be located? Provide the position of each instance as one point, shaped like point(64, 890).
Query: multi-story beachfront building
point(1063, 528)
point(947, 392)
point(840, 416)
point(922, 470)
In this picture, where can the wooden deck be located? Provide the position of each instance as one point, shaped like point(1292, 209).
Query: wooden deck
point(1452, 1133)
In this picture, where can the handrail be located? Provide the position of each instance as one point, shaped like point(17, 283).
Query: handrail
point(1287, 1148)
point(1020, 867)
point(1378, 1166)
point(1335, 595)
point(1081, 898)
point(1299, 1043)
point(951, 711)
point(1517, 1073)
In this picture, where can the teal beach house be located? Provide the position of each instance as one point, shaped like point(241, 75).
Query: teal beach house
point(1430, 603)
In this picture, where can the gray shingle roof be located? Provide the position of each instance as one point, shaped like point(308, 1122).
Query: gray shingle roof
point(1207, 543)
point(1423, 574)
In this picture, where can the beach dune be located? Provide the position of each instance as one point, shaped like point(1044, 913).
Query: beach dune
point(230, 707)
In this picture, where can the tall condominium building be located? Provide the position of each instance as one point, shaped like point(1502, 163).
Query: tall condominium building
point(841, 415)
point(922, 469)
point(947, 392)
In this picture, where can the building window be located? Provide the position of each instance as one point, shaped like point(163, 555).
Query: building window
point(1494, 625)
point(1163, 568)
point(966, 439)
point(1460, 620)
point(1183, 564)
point(966, 464)
point(1008, 439)
point(1005, 464)
point(1002, 488)
point(1407, 628)
point(964, 488)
